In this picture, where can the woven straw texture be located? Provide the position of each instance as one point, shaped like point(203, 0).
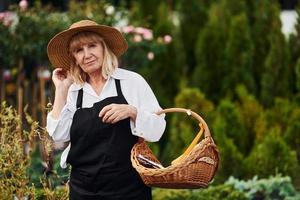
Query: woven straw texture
point(195, 169)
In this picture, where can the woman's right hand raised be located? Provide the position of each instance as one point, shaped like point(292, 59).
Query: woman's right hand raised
point(61, 79)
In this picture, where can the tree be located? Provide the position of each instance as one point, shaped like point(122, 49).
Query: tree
point(231, 157)
point(238, 56)
point(193, 16)
point(276, 75)
point(252, 116)
point(261, 17)
point(294, 46)
point(209, 53)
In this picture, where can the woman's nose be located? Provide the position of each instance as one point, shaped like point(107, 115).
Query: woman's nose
point(87, 52)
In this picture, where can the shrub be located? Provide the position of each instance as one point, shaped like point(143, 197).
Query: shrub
point(275, 187)
point(15, 147)
point(272, 156)
point(170, 194)
point(224, 192)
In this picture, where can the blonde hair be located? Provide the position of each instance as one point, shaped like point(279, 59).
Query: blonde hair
point(110, 61)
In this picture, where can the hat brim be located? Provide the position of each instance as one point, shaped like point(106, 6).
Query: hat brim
point(57, 48)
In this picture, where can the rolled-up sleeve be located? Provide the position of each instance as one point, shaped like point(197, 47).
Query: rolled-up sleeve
point(148, 125)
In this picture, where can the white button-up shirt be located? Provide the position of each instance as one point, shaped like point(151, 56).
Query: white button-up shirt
point(136, 91)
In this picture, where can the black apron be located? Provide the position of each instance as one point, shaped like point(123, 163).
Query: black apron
point(100, 155)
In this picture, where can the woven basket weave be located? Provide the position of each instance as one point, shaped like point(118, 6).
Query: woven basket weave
point(195, 168)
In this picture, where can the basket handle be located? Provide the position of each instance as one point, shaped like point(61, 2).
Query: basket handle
point(189, 112)
point(203, 128)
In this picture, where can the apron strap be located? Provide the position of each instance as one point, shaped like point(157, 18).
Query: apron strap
point(79, 99)
point(118, 86)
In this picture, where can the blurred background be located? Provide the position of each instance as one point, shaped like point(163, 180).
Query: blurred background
point(234, 62)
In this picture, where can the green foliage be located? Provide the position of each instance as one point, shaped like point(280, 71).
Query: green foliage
point(280, 114)
point(193, 16)
point(262, 14)
point(252, 117)
point(14, 154)
point(292, 133)
point(164, 24)
point(209, 53)
point(238, 55)
point(272, 156)
point(294, 47)
point(276, 187)
point(170, 194)
point(275, 78)
point(232, 124)
point(225, 192)
point(6, 48)
point(33, 40)
point(297, 76)
point(51, 192)
point(57, 194)
point(231, 157)
point(95, 10)
point(144, 12)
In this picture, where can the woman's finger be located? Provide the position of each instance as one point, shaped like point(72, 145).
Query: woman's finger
point(105, 109)
point(107, 114)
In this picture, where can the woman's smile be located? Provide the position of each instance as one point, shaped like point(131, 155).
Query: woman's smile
point(90, 62)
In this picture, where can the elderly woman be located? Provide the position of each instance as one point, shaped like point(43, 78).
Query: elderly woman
point(101, 110)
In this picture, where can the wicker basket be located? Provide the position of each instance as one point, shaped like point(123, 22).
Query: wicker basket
point(195, 168)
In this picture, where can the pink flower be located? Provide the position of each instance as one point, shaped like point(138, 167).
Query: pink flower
point(150, 55)
point(137, 38)
point(2, 15)
point(23, 5)
point(167, 39)
point(148, 35)
point(139, 30)
point(128, 29)
point(7, 18)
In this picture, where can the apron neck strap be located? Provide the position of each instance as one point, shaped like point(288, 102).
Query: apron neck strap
point(118, 86)
point(79, 99)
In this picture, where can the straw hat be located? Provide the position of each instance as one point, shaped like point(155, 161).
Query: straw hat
point(58, 46)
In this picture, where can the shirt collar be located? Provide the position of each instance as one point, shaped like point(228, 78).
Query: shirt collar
point(118, 73)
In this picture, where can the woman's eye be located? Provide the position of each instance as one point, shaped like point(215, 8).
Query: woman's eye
point(78, 50)
point(91, 45)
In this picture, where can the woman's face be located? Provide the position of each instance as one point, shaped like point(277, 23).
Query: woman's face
point(89, 57)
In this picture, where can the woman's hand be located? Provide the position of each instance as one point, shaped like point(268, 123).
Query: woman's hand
point(61, 79)
point(113, 113)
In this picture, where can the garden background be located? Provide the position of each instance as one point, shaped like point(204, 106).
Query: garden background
point(227, 60)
